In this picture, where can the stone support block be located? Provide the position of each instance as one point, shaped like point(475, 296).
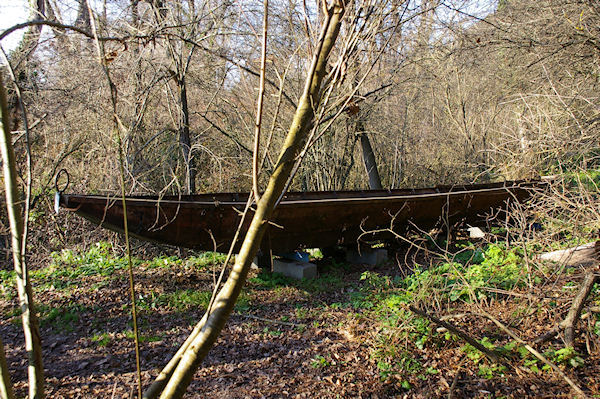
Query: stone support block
point(367, 256)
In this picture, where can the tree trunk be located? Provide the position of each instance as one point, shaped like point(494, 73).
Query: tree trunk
point(83, 17)
point(13, 204)
point(137, 124)
point(181, 62)
point(225, 300)
point(368, 157)
point(184, 138)
point(6, 388)
point(32, 35)
point(20, 56)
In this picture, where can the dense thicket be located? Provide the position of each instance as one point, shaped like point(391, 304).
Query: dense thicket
point(452, 99)
point(454, 94)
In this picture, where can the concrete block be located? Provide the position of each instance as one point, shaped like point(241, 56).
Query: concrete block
point(295, 269)
point(367, 256)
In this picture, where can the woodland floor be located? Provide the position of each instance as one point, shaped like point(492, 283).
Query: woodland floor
point(330, 337)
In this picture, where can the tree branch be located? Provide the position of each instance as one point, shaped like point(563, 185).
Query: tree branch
point(56, 25)
point(492, 355)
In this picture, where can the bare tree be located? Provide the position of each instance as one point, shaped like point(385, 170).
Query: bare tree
point(33, 344)
point(176, 384)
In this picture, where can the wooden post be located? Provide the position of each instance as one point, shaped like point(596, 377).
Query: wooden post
point(265, 255)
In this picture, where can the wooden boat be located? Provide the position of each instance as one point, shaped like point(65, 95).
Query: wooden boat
point(301, 220)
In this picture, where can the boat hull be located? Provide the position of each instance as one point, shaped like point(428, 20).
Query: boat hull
point(301, 220)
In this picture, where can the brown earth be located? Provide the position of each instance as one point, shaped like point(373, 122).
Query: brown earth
point(288, 340)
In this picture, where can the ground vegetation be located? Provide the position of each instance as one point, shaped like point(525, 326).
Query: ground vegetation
point(354, 95)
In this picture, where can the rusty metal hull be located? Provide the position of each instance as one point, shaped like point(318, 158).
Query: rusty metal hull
point(301, 220)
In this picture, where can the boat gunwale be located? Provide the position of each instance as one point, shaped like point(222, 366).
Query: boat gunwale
point(336, 197)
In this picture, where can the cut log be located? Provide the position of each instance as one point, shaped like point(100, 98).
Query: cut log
point(581, 255)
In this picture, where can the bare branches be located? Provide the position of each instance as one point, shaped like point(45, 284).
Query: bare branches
point(27, 133)
point(570, 321)
point(31, 330)
point(259, 104)
point(56, 25)
point(493, 356)
point(223, 304)
point(538, 355)
point(117, 128)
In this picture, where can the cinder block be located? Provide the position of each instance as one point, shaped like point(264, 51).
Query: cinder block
point(367, 256)
point(295, 269)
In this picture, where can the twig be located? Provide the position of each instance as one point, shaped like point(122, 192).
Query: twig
point(224, 133)
point(453, 316)
point(29, 319)
point(455, 381)
point(114, 391)
point(536, 354)
point(163, 377)
point(510, 293)
point(492, 355)
point(6, 387)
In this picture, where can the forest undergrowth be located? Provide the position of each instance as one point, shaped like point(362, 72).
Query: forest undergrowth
point(398, 328)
